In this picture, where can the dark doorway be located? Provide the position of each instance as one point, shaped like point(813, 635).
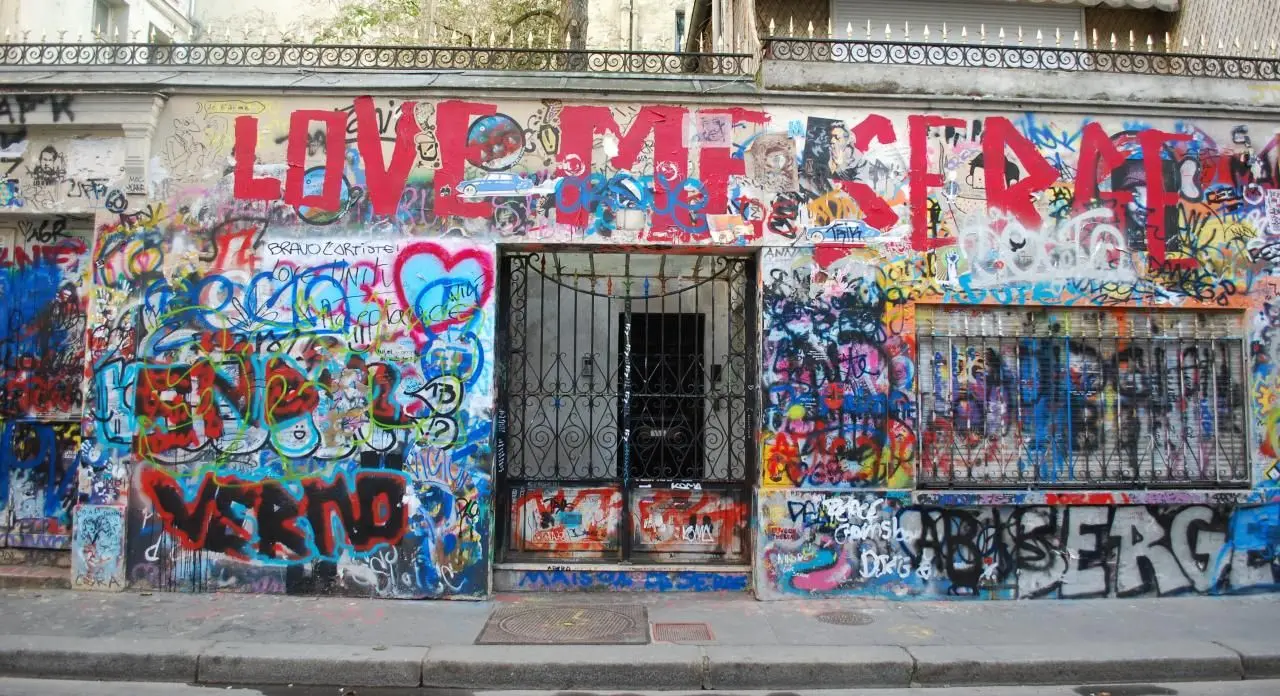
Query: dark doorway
point(663, 398)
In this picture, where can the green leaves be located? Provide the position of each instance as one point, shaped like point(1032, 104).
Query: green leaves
point(456, 22)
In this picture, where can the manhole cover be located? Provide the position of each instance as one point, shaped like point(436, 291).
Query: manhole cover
point(517, 624)
point(845, 618)
point(682, 632)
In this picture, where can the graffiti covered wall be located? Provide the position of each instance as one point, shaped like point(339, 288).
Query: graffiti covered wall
point(291, 342)
point(836, 544)
point(299, 419)
point(42, 307)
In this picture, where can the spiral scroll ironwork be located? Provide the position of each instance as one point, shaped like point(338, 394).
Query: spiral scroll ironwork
point(569, 369)
point(370, 58)
point(1019, 57)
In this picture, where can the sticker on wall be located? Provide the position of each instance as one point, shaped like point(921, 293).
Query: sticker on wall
point(1273, 212)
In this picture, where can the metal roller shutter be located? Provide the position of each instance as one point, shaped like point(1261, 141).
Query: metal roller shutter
point(933, 13)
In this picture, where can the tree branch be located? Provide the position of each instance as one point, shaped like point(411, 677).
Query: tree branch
point(535, 13)
point(470, 39)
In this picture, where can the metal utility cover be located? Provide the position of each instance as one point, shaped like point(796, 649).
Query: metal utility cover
point(520, 624)
point(845, 618)
point(682, 633)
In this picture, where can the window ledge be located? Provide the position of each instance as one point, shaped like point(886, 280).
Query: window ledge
point(1083, 497)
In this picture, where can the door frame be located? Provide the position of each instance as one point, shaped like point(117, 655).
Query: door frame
point(745, 265)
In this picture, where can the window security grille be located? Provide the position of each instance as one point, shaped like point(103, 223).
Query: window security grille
point(1052, 398)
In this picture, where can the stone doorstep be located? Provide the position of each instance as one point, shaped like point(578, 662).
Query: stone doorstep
point(18, 555)
point(15, 555)
point(34, 577)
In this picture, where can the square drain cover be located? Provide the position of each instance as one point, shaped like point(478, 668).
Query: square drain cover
point(521, 624)
point(682, 632)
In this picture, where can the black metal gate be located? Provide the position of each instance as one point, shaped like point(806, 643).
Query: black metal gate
point(627, 406)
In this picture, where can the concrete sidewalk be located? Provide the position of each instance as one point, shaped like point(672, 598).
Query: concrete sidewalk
point(256, 640)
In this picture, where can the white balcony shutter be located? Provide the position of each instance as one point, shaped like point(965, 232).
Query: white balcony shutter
point(956, 14)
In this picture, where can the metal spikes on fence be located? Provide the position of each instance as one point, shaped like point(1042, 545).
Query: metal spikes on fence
point(463, 37)
point(1018, 36)
point(983, 34)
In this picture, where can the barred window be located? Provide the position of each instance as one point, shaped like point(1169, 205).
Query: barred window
point(1048, 398)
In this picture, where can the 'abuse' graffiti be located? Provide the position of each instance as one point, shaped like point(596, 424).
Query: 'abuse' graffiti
point(820, 544)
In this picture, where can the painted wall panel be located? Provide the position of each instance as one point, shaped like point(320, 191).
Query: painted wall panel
point(566, 519)
point(839, 378)
point(43, 263)
point(39, 463)
point(695, 524)
point(58, 172)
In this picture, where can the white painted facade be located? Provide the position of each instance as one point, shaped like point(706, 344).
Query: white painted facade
point(78, 20)
point(641, 25)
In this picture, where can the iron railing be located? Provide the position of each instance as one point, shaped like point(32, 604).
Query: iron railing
point(1019, 57)
point(1074, 398)
point(325, 56)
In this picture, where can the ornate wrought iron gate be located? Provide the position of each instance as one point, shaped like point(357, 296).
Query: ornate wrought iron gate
point(627, 406)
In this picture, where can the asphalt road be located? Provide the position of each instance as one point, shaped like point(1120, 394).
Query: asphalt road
point(41, 687)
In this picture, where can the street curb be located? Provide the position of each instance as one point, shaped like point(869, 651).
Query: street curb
point(1074, 663)
point(1261, 659)
point(558, 667)
point(310, 665)
point(655, 666)
point(807, 667)
point(97, 658)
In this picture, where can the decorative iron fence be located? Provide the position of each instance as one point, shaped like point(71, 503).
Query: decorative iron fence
point(1071, 398)
point(628, 367)
point(1019, 57)
point(326, 56)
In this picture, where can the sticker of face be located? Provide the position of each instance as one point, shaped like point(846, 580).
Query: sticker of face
point(841, 158)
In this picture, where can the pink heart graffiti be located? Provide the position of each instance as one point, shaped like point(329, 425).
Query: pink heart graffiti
point(442, 287)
